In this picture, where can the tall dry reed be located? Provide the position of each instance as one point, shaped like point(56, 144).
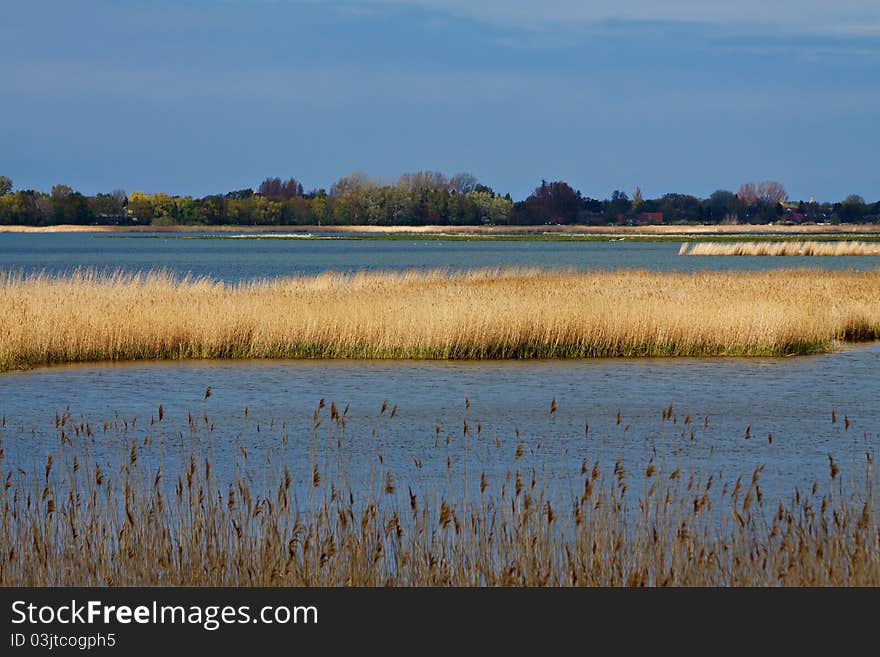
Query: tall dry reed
point(436, 314)
point(804, 248)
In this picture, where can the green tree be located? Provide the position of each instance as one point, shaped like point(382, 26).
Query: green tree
point(140, 206)
point(5, 185)
point(61, 191)
point(722, 205)
point(106, 205)
point(852, 209)
point(618, 205)
point(491, 209)
point(319, 209)
point(72, 208)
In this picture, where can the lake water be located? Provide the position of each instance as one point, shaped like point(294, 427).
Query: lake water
point(245, 259)
point(790, 398)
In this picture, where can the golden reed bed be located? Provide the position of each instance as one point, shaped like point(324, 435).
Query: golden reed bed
point(805, 248)
point(481, 314)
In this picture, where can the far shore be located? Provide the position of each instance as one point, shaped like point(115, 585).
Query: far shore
point(573, 229)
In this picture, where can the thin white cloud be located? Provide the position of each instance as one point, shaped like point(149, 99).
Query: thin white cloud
point(839, 17)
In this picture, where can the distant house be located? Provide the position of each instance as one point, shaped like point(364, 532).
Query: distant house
point(793, 216)
point(649, 218)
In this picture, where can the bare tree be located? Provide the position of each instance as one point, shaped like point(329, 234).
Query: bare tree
point(422, 181)
point(771, 191)
point(637, 198)
point(277, 188)
point(463, 183)
point(353, 182)
point(747, 193)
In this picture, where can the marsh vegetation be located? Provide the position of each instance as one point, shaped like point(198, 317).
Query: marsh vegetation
point(781, 248)
point(113, 505)
point(485, 314)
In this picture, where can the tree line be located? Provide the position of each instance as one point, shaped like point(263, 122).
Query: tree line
point(420, 198)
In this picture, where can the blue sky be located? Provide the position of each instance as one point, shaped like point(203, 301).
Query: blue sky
point(206, 96)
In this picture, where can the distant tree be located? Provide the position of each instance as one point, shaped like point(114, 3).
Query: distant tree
point(463, 183)
point(209, 210)
point(593, 205)
point(555, 202)
point(747, 194)
point(283, 189)
point(852, 209)
point(353, 182)
point(241, 194)
point(42, 204)
point(722, 198)
point(771, 191)
point(681, 208)
point(491, 209)
point(106, 205)
point(61, 191)
point(418, 198)
point(423, 181)
point(636, 199)
point(319, 208)
point(140, 206)
point(72, 208)
point(25, 207)
point(291, 188)
point(722, 205)
point(270, 187)
point(619, 204)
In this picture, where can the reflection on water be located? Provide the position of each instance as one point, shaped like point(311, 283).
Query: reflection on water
point(790, 398)
point(235, 260)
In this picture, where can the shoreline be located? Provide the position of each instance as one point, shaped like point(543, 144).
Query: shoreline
point(556, 229)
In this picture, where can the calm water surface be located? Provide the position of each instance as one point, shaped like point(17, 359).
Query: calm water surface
point(236, 260)
point(790, 398)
